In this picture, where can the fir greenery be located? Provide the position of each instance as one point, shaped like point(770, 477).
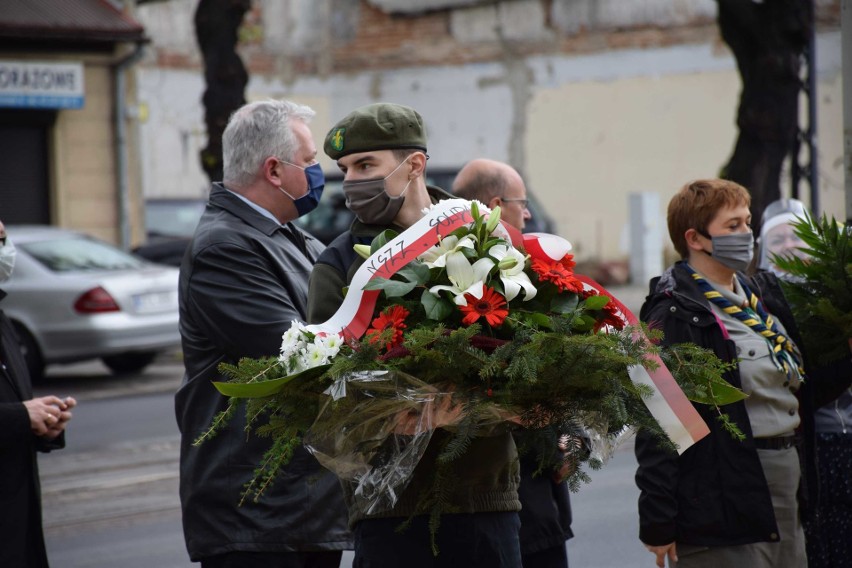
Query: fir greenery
point(552, 365)
point(820, 291)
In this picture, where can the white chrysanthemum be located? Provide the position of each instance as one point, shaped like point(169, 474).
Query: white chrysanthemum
point(510, 262)
point(293, 362)
point(315, 355)
point(330, 343)
point(293, 339)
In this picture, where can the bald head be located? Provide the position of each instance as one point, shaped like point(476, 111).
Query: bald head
point(496, 185)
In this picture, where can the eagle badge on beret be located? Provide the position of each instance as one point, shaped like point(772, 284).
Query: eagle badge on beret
point(337, 139)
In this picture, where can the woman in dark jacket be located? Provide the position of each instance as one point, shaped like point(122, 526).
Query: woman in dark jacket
point(726, 502)
point(27, 425)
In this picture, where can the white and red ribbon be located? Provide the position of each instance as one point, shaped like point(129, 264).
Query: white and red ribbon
point(667, 404)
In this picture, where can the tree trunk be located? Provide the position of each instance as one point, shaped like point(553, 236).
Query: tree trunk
point(768, 40)
point(216, 25)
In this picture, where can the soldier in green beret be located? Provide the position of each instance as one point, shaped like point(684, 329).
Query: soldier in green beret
point(381, 150)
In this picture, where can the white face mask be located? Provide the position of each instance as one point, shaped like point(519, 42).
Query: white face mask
point(7, 260)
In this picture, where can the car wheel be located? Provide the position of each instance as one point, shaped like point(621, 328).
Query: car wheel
point(31, 353)
point(129, 362)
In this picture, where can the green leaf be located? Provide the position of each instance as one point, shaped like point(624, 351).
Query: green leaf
point(391, 288)
point(584, 323)
point(491, 242)
point(596, 302)
point(564, 303)
point(382, 239)
point(721, 393)
point(436, 308)
point(416, 272)
point(265, 388)
point(538, 319)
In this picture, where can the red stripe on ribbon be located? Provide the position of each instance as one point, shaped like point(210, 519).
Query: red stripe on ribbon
point(396, 261)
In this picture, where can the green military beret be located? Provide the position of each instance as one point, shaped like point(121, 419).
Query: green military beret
point(380, 126)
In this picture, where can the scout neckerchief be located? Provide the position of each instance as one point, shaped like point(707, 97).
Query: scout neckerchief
point(784, 353)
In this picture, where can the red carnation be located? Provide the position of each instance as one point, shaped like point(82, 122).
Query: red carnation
point(491, 305)
point(391, 318)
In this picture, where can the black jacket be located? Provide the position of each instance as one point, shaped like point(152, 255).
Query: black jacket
point(715, 493)
point(545, 508)
point(20, 493)
point(243, 281)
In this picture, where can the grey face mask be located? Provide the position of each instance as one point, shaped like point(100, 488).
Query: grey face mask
point(369, 200)
point(734, 250)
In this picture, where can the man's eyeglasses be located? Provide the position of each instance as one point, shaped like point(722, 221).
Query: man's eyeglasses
point(523, 202)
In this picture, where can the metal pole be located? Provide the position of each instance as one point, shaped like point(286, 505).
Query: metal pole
point(811, 132)
point(122, 183)
point(846, 42)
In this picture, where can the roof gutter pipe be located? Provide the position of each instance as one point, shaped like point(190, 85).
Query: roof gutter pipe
point(121, 159)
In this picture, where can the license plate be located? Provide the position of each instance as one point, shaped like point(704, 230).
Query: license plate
point(155, 302)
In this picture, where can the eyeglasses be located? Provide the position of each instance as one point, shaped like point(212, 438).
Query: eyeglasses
point(523, 202)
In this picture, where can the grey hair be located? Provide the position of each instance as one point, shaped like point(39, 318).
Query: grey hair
point(484, 186)
point(257, 131)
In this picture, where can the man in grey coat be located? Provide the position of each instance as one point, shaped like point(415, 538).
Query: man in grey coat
point(243, 280)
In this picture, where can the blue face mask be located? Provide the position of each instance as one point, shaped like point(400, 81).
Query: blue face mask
point(316, 184)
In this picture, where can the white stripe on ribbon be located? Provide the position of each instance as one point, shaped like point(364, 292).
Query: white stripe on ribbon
point(674, 427)
point(668, 405)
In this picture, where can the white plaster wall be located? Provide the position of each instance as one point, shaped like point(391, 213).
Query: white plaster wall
point(172, 133)
point(585, 130)
point(170, 25)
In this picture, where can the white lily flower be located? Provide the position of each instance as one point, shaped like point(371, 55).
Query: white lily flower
point(464, 277)
point(511, 264)
point(436, 257)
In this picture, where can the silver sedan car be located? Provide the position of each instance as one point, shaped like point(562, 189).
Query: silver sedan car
point(73, 297)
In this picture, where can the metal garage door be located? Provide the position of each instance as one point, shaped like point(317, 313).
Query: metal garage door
point(25, 166)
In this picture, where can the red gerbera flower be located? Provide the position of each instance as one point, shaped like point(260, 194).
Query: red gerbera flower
point(391, 318)
point(558, 272)
point(568, 262)
point(491, 305)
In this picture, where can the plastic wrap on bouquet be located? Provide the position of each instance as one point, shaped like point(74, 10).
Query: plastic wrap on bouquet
point(374, 430)
point(376, 426)
point(601, 442)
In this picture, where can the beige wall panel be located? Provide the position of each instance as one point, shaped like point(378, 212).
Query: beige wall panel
point(94, 215)
point(86, 160)
point(590, 144)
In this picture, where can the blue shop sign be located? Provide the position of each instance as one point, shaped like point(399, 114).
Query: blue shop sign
point(41, 84)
